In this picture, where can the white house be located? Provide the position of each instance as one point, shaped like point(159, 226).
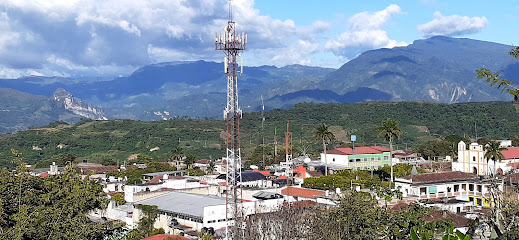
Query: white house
point(359, 158)
point(458, 185)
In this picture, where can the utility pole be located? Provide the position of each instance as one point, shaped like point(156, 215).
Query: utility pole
point(288, 147)
point(263, 130)
point(232, 44)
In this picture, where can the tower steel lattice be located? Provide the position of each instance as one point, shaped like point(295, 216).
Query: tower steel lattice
point(232, 44)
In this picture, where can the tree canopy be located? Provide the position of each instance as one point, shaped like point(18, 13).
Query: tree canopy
point(54, 207)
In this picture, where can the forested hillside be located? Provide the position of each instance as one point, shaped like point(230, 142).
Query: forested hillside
point(115, 140)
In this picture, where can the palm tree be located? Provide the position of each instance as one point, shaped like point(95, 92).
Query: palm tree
point(323, 134)
point(493, 151)
point(389, 130)
point(190, 160)
point(177, 153)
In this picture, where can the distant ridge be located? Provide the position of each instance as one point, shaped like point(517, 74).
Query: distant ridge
point(437, 69)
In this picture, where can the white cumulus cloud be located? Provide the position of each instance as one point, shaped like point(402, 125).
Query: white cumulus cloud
point(453, 25)
point(365, 33)
point(84, 37)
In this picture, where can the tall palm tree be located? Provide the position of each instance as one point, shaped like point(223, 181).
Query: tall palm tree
point(323, 134)
point(493, 151)
point(177, 153)
point(390, 131)
point(190, 160)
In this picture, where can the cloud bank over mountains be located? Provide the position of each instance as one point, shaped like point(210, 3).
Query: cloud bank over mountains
point(113, 37)
point(452, 26)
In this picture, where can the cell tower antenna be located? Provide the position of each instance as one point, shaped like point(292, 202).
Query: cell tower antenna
point(232, 44)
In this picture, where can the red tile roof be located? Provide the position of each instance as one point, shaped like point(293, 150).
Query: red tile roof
point(439, 177)
point(358, 150)
point(302, 192)
point(511, 153)
point(203, 161)
point(44, 175)
point(154, 180)
point(301, 171)
point(265, 173)
point(165, 237)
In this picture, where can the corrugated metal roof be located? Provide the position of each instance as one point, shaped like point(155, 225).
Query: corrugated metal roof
point(185, 203)
point(246, 176)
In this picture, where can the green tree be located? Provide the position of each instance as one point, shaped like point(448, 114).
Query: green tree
point(119, 198)
point(55, 207)
point(145, 225)
point(502, 83)
point(389, 130)
point(190, 160)
point(177, 153)
point(326, 136)
point(493, 151)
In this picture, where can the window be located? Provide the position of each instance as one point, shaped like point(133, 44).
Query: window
point(358, 159)
point(386, 157)
point(372, 159)
point(352, 160)
point(449, 189)
point(480, 188)
point(456, 188)
point(379, 158)
point(479, 201)
point(473, 159)
point(334, 159)
point(471, 199)
point(432, 189)
point(423, 191)
point(464, 187)
point(458, 209)
point(471, 187)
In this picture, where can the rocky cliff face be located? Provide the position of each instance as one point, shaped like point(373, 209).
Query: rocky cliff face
point(77, 105)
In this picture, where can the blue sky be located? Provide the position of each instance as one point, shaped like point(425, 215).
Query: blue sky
point(115, 37)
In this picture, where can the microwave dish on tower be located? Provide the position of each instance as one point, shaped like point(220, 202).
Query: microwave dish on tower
point(232, 44)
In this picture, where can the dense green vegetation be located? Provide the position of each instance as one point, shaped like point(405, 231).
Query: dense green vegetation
point(364, 178)
point(357, 216)
point(115, 140)
point(55, 207)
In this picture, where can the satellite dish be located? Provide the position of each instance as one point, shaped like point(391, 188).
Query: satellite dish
point(253, 167)
point(307, 160)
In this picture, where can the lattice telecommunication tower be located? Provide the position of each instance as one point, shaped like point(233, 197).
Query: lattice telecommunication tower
point(232, 44)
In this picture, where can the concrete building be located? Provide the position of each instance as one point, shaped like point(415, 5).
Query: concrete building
point(456, 185)
point(184, 212)
point(360, 158)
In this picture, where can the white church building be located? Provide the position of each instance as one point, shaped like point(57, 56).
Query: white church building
point(472, 160)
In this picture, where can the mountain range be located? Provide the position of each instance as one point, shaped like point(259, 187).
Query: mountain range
point(438, 69)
